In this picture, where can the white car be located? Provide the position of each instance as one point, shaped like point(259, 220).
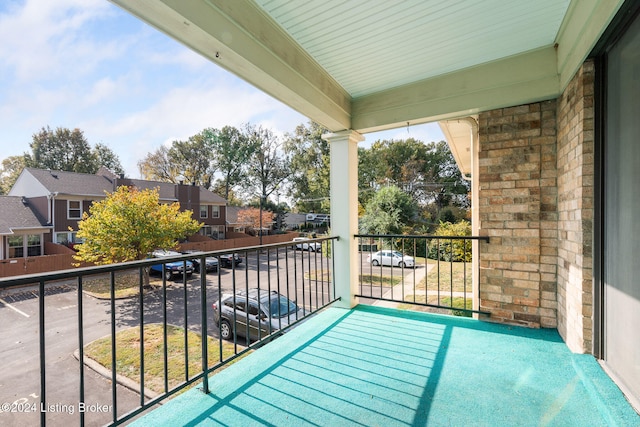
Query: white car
point(392, 258)
point(304, 244)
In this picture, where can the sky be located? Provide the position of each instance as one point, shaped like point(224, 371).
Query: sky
point(90, 65)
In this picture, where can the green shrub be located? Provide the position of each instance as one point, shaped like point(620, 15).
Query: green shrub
point(455, 250)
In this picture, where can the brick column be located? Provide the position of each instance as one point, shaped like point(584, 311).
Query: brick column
point(575, 209)
point(518, 210)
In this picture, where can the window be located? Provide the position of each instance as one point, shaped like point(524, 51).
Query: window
point(205, 230)
point(74, 209)
point(21, 246)
point(215, 211)
point(253, 309)
point(241, 305)
point(16, 246)
point(33, 245)
point(62, 238)
point(204, 212)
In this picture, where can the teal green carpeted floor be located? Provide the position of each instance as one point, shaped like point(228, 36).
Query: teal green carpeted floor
point(373, 366)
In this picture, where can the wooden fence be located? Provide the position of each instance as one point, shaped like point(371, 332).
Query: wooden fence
point(239, 242)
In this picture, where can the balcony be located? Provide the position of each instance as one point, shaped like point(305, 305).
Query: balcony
point(335, 365)
point(381, 366)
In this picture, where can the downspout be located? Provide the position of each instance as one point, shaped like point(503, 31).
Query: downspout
point(475, 213)
point(475, 202)
point(51, 213)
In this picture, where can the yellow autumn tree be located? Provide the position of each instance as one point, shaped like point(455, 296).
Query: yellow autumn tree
point(129, 224)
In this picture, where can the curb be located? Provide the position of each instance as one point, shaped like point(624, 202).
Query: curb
point(120, 379)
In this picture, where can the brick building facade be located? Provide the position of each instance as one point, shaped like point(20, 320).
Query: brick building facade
point(536, 204)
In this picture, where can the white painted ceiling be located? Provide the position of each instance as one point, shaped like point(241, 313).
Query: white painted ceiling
point(371, 65)
point(372, 45)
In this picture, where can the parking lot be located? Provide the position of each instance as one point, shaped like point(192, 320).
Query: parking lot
point(19, 314)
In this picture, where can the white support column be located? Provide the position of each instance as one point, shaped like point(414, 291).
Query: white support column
point(475, 213)
point(344, 212)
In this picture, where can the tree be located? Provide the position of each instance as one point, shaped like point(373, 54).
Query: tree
point(104, 156)
point(389, 211)
point(68, 150)
point(232, 151)
point(11, 168)
point(62, 149)
point(129, 224)
point(193, 158)
point(371, 171)
point(189, 161)
point(452, 249)
point(427, 172)
point(157, 167)
point(251, 217)
point(268, 167)
point(310, 165)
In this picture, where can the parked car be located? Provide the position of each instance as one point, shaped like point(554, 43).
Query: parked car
point(262, 311)
point(172, 269)
point(304, 244)
point(211, 262)
point(229, 260)
point(392, 258)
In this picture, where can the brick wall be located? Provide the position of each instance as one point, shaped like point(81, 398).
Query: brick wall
point(518, 210)
point(575, 210)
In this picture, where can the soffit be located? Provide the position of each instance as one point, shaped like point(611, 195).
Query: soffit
point(369, 46)
point(371, 65)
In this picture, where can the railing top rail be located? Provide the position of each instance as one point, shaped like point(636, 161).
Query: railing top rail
point(420, 236)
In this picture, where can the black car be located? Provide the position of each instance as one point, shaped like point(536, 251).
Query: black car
point(229, 260)
point(211, 262)
point(259, 311)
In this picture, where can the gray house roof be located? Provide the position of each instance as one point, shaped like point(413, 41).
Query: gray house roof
point(17, 215)
point(72, 182)
point(166, 190)
point(207, 196)
point(82, 184)
point(232, 214)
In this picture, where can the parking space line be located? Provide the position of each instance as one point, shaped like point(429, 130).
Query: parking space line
point(13, 308)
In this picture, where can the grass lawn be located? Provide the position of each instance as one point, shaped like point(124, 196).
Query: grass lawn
point(128, 354)
point(365, 279)
point(377, 280)
point(457, 302)
point(127, 284)
point(444, 274)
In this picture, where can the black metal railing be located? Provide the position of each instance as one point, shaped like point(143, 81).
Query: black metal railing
point(429, 271)
point(184, 304)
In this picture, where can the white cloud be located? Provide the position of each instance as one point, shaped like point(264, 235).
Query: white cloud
point(41, 38)
point(87, 64)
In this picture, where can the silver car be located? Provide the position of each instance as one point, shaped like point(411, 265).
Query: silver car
point(257, 313)
point(392, 258)
point(303, 244)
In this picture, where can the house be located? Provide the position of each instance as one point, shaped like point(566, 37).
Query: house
point(538, 101)
point(233, 225)
point(22, 230)
point(57, 199)
point(298, 220)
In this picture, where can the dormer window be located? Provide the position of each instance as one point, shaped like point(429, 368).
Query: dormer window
point(74, 209)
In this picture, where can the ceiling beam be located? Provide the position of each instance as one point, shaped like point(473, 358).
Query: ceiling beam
point(238, 36)
point(520, 79)
point(581, 28)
